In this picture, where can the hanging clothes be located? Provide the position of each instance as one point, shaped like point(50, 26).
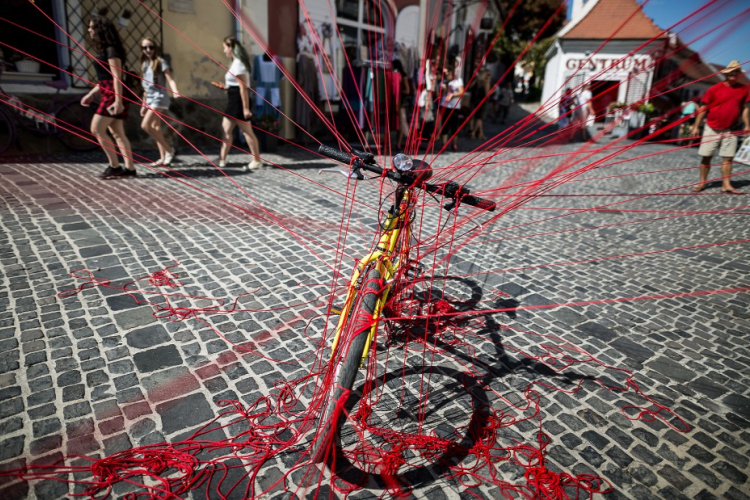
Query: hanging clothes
point(327, 60)
point(267, 76)
point(393, 88)
point(353, 88)
point(307, 78)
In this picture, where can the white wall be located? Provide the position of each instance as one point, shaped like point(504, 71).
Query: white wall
point(550, 92)
point(407, 26)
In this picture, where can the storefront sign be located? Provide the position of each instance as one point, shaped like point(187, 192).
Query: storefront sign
point(609, 64)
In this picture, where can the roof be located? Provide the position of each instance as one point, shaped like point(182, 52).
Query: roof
point(693, 67)
point(604, 19)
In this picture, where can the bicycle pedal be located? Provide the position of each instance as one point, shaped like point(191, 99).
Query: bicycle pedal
point(337, 312)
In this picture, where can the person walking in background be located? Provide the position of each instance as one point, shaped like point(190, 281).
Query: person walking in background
point(426, 122)
point(405, 102)
point(238, 112)
point(566, 109)
point(504, 101)
point(688, 110)
point(480, 89)
point(156, 74)
point(113, 107)
point(453, 89)
point(723, 104)
point(586, 106)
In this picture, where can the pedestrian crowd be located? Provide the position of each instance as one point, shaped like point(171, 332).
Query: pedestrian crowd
point(157, 82)
point(437, 107)
point(435, 94)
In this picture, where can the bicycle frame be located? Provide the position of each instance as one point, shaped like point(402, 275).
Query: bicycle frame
point(396, 227)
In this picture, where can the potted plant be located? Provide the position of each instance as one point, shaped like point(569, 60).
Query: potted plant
point(641, 112)
point(269, 126)
point(24, 64)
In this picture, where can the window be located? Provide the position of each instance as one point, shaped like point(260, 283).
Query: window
point(133, 23)
point(37, 40)
point(364, 25)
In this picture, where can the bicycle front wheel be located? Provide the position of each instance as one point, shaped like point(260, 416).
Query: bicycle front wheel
point(7, 131)
point(347, 361)
point(73, 122)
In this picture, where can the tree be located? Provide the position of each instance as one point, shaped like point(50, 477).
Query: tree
point(530, 27)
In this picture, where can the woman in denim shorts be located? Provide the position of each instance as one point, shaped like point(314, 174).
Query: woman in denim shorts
point(156, 75)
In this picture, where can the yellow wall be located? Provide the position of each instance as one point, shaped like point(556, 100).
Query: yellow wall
point(192, 68)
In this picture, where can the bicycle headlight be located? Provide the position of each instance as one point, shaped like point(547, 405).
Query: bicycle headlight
point(402, 162)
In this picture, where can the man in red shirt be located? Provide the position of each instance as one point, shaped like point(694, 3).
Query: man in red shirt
point(723, 103)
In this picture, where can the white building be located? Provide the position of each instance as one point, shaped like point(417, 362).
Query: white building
point(612, 45)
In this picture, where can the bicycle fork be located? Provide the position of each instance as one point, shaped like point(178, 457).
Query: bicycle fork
point(380, 258)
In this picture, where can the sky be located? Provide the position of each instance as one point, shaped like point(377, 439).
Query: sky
point(730, 42)
point(727, 43)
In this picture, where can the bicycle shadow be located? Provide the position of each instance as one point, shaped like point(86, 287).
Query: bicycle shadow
point(496, 366)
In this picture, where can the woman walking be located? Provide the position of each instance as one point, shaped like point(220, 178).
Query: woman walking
point(453, 89)
point(156, 74)
point(405, 103)
point(113, 108)
point(238, 111)
point(480, 89)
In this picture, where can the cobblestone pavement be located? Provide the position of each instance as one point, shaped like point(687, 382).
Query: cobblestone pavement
point(96, 372)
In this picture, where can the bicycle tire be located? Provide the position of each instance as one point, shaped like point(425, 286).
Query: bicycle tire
point(7, 131)
point(347, 365)
point(73, 122)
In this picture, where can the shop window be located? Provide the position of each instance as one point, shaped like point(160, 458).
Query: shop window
point(364, 25)
point(38, 41)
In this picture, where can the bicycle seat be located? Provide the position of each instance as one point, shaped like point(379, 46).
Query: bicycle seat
point(57, 84)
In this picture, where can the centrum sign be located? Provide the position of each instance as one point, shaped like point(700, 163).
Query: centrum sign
point(609, 64)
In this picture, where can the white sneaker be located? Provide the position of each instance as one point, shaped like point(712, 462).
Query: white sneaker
point(168, 158)
point(254, 165)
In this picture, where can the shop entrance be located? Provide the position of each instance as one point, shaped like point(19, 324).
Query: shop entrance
point(604, 92)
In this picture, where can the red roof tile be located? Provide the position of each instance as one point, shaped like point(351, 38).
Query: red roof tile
point(603, 22)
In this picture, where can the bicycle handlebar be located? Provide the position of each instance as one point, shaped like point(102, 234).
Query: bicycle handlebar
point(336, 154)
point(454, 191)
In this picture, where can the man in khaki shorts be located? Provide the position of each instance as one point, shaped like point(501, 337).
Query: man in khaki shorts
point(722, 106)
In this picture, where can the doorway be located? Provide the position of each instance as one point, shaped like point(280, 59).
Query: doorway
point(604, 92)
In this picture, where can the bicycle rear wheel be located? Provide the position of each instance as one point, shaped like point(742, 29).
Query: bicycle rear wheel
point(7, 131)
point(73, 122)
point(347, 360)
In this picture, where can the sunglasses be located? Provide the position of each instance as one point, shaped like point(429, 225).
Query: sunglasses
point(147, 47)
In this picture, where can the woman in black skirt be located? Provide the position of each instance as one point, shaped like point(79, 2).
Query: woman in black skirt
point(238, 108)
point(113, 108)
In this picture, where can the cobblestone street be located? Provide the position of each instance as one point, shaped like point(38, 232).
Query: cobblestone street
point(647, 284)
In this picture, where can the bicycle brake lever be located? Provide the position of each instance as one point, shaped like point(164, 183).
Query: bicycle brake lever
point(350, 175)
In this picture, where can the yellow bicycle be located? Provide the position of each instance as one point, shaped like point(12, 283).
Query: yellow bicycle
point(379, 273)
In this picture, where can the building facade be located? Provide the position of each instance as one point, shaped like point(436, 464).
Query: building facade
point(618, 61)
point(343, 32)
point(625, 57)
